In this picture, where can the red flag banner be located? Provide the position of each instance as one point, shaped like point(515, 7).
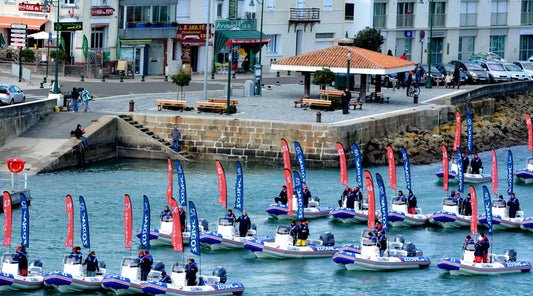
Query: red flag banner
point(286, 155)
point(342, 160)
point(473, 218)
point(445, 167)
point(127, 222)
point(494, 173)
point(392, 168)
point(169, 188)
point(177, 238)
point(69, 242)
point(370, 198)
point(288, 180)
point(222, 185)
point(529, 133)
point(7, 218)
point(457, 142)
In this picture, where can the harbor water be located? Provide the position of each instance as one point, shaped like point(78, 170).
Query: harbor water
point(103, 186)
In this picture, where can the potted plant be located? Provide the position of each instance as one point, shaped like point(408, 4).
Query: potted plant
point(175, 24)
point(161, 23)
point(132, 25)
point(148, 24)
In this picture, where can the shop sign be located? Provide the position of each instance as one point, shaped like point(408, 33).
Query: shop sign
point(191, 32)
point(102, 11)
point(33, 7)
point(68, 26)
point(243, 25)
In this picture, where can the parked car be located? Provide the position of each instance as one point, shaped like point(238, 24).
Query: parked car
point(11, 94)
point(486, 56)
point(449, 68)
point(526, 66)
point(515, 72)
point(496, 71)
point(473, 70)
point(436, 75)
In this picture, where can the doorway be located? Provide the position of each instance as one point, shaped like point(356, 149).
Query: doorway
point(156, 56)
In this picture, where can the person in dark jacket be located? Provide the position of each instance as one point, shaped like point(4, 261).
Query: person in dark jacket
point(468, 240)
point(478, 251)
point(459, 199)
point(165, 278)
point(146, 265)
point(183, 215)
point(452, 195)
point(78, 133)
point(282, 198)
point(166, 214)
point(400, 199)
point(476, 164)
point(486, 246)
point(22, 256)
point(358, 196)
point(303, 233)
point(467, 205)
point(382, 243)
point(76, 253)
point(411, 203)
point(92, 264)
point(456, 76)
point(190, 272)
point(75, 98)
point(244, 224)
point(345, 101)
point(419, 73)
point(350, 199)
point(230, 215)
point(409, 81)
point(466, 162)
point(307, 196)
point(514, 205)
point(344, 196)
point(294, 231)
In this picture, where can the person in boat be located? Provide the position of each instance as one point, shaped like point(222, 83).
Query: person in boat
point(146, 264)
point(307, 196)
point(282, 198)
point(244, 224)
point(344, 196)
point(350, 199)
point(22, 257)
point(183, 215)
point(514, 205)
point(190, 272)
point(459, 200)
point(411, 203)
point(501, 201)
point(294, 231)
point(378, 229)
point(92, 264)
point(468, 240)
point(400, 199)
point(76, 253)
point(467, 205)
point(358, 196)
point(230, 215)
point(478, 251)
point(303, 233)
point(382, 243)
point(166, 214)
point(165, 278)
point(466, 162)
point(486, 246)
point(476, 164)
point(452, 195)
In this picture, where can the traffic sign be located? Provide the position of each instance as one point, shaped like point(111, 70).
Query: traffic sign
point(19, 26)
point(18, 31)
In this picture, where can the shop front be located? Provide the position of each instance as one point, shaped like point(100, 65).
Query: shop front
point(191, 38)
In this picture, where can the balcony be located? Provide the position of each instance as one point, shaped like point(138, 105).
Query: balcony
point(143, 31)
point(305, 16)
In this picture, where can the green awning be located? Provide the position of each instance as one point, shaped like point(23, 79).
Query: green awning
point(135, 42)
point(227, 38)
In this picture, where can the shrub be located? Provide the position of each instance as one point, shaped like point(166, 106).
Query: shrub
point(161, 24)
point(148, 24)
point(335, 104)
point(28, 55)
point(175, 24)
point(62, 54)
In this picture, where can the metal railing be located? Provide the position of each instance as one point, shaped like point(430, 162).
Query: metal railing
point(526, 18)
point(13, 182)
point(304, 14)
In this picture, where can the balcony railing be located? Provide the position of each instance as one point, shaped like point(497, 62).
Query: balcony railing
point(404, 20)
point(380, 21)
point(468, 19)
point(304, 15)
point(439, 20)
point(498, 19)
point(526, 19)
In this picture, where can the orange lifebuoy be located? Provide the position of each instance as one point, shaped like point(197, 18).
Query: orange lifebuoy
point(15, 165)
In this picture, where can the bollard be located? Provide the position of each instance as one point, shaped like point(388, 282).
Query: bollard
point(393, 86)
point(132, 105)
point(166, 77)
point(232, 74)
point(288, 73)
point(277, 73)
point(142, 78)
point(82, 78)
point(415, 99)
point(103, 78)
point(121, 78)
point(318, 117)
point(437, 81)
point(44, 79)
point(212, 75)
point(41, 85)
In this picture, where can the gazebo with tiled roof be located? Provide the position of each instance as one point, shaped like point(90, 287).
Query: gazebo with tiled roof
point(335, 58)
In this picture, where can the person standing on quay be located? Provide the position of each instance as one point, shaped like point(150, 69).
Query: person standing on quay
point(345, 101)
point(176, 136)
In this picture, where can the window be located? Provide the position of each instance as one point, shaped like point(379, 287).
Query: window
point(69, 2)
point(526, 47)
point(163, 13)
point(328, 6)
point(271, 5)
point(380, 15)
point(99, 2)
point(183, 9)
point(497, 45)
point(404, 17)
point(274, 46)
point(403, 45)
point(138, 14)
point(466, 47)
point(97, 38)
point(324, 35)
point(498, 16)
point(439, 14)
point(220, 8)
point(348, 11)
point(526, 13)
point(468, 16)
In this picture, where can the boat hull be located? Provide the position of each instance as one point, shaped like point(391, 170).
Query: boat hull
point(11, 282)
point(282, 212)
point(449, 220)
point(527, 224)
point(353, 261)
point(162, 238)
point(459, 267)
point(348, 215)
point(156, 288)
point(66, 283)
point(524, 176)
point(407, 220)
point(121, 285)
point(468, 178)
point(269, 250)
point(218, 242)
point(357, 250)
point(499, 223)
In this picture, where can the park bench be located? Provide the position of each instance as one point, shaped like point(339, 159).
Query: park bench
point(378, 97)
point(355, 103)
point(224, 101)
point(299, 102)
point(211, 106)
point(330, 93)
point(170, 104)
point(315, 103)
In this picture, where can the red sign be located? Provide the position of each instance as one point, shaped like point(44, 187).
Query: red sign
point(33, 7)
point(102, 11)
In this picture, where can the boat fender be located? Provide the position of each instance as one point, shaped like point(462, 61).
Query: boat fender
point(101, 264)
point(159, 266)
point(204, 224)
point(410, 248)
point(511, 255)
point(220, 272)
point(327, 239)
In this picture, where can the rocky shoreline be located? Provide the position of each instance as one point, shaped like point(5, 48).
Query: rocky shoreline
point(504, 128)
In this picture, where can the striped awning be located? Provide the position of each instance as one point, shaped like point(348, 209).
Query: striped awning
point(33, 24)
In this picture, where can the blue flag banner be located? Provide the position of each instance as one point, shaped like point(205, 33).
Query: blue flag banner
point(194, 242)
point(299, 194)
point(25, 222)
point(469, 131)
point(358, 165)
point(460, 175)
point(182, 186)
point(406, 169)
point(301, 161)
point(239, 190)
point(383, 201)
point(145, 229)
point(488, 208)
point(510, 174)
point(84, 224)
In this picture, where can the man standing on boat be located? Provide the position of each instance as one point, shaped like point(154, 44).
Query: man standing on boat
point(468, 240)
point(401, 198)
point(76, 253)
point(282, 196)
point(182, 217)
point(502, 201)
point(478, 251)
point(307, 196)
point(466, 162)
point(244, 224)
point(459, 200)
point(350, 199)
point(467, 206)
point(191, 270)
point(146, 265)
point(303, 233)
point(358, 196)
point(92, 264)
point(382, 243)
point(486, 245)
point(230, 215)
point(411, 203)
point(22, 258)
point(166, 214)
point(476, 164)
point(294, 231)
point(514, 205)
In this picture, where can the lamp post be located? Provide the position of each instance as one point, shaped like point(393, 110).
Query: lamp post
point(45, 6)
point(430, 44)
point(258, 87)
point(228, 92)
point(348, 71)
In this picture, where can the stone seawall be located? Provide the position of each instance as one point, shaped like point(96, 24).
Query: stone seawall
point(16, 119)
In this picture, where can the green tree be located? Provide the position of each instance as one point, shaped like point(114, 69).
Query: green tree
point(181, 79)
point(369, 38)
point(323, 77)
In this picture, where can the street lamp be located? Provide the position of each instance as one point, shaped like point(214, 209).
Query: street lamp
point(348, 71)
point(428, 79)
point(45, 6)
point(260, 80)
point(228, 92)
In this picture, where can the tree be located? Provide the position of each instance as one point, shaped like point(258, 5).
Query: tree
point(369, 38)
point(181, 79)
point(323, 77)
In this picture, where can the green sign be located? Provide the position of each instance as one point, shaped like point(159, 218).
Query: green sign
point(85, 45)
point(243, 25)
point(233, 6)
point(68, 26)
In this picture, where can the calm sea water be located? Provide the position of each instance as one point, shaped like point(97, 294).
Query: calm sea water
point(104, 186)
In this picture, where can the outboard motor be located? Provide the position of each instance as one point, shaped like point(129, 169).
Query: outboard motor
point(511, 254)
point(159, 266)
point(203, 222)
point(327, 239)
point(400, 239)
point(35, 267)
point(410, 248)
point(220, 272)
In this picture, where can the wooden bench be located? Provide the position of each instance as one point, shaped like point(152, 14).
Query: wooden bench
point(170, 103)
point(330, 93)
point(315, 103)
point(378, 97)
point(224, 101)
point(300, 102)
point(210, 106)
point(355, 103)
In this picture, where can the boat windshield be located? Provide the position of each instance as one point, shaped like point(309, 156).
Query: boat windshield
point(178, 267)
point(225, 222)
point(470, 246)
point(130, 261)
point(283, 229)
point(10, 258)
point(449, 202)
point(396, 201)
point(368, 238)
point(498, 203)
point(72, 259)
point(166, 218)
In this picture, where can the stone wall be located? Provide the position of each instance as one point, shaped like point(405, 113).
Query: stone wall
point(16, 119)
